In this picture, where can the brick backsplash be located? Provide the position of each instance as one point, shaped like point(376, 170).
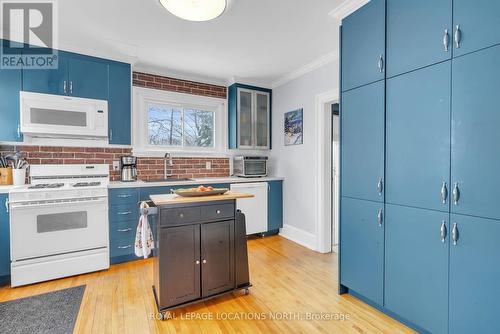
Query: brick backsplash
point(148, 168)
point(177, 85)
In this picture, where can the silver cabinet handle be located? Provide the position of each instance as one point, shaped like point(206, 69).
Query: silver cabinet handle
point(380, 186)
point(444, 192)
point(19, 131)
point(125, 230)
point(65, 87)
point(181, 215)
point(7, 204)
point(124, 213)
point(456, 193)
point(443, 231)
point(111, 134)
point(380, 217)
point(218, 212)
point(197, 261)
point(204, 261)
point(123, 196)
point(124, 247)
point(380, 63)
point(458, 36)
point(454, 234)
point(71, 87)
point(446, 40)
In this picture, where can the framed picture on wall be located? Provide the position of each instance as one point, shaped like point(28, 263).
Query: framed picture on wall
point(294, 127)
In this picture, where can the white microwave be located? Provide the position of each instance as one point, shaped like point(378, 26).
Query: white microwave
point(57, 116)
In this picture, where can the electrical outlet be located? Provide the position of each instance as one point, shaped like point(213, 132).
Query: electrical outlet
point(116, 165)
point(208, 165)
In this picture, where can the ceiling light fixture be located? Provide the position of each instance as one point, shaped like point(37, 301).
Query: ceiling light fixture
point(195, 10)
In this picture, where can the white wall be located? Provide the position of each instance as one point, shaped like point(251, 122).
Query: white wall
point(298, 164)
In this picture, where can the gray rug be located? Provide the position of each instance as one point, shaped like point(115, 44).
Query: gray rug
point(53, 312)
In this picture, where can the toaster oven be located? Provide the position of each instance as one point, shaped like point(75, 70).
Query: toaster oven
point(245, 166)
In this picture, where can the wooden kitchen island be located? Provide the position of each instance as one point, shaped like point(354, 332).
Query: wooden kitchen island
point(201, 249)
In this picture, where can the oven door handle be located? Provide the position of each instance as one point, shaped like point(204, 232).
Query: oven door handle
point(27, 205)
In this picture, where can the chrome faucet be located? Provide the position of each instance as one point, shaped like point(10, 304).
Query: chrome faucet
point(168, 157)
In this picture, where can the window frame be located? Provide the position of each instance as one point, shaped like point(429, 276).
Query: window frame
point(143, 97)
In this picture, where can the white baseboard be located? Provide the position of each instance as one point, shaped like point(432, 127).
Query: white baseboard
point(299, 236)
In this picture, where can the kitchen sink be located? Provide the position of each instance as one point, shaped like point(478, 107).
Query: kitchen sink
point(172, 179)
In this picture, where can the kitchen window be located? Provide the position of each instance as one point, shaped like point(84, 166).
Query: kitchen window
point(178, 123)
point(180, 126)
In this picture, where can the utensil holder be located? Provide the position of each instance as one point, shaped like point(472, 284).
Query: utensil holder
point(19, 176)
point(6, 176)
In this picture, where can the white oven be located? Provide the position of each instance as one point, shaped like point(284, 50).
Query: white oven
point(45, 228)
point(56, 116)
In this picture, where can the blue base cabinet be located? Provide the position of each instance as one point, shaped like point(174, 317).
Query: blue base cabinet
point(362, 257)
point(474, 275)
point(275, 206)
point(4, 240)
point(416, 266)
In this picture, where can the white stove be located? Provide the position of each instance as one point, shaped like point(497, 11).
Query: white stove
point(59, 223)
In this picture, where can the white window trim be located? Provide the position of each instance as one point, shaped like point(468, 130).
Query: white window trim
point(142, 97)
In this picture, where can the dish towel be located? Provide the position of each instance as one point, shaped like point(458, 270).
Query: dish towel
point(144, 241)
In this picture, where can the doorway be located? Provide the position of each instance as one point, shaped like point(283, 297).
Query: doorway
point(335, 109)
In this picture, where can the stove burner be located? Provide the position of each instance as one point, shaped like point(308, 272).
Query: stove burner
point(87, 184)
point(46, 185)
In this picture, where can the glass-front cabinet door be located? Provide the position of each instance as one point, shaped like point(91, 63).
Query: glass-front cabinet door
point(245, 107)
point(262, 120)
point(253, 119)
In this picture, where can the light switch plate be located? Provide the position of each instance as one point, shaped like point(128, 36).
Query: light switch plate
point(208, 165)
point(116, 165)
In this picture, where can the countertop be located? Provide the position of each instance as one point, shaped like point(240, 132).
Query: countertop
point(212, 180)
point(169, 199)
point(140, 184)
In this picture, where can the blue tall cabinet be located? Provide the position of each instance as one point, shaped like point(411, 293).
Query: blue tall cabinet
point(423, 249)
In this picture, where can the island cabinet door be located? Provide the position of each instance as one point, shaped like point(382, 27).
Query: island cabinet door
point(179, 265)
point(217, 257)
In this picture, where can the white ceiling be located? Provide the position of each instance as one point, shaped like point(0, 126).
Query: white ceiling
point(255, 41)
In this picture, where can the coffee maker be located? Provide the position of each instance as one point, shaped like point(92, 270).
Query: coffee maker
point(128, 167)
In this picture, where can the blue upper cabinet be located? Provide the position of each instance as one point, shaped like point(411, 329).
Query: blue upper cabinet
point(119, 103)
point(419, 34)
point(477, 25)
point(474, 276)
point(10, 85)
point(4, 239)
point(88, 77)
point(475, 148)
point(416, 266)
point(418, 138)
point(249, 117)
point(362, 248)
point(48, 81)
point(362, 118)
point(363, 45)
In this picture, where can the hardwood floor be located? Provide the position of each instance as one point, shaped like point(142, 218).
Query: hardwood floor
point(289, 282)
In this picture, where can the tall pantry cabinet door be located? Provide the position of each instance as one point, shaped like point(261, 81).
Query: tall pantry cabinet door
point(474, 275)
point(418, 138)
point(477, 23)
point(363, 45)
point(418, 34)
point(475, 150)
point(362, 248)
point(416, 266)
point(362, 141)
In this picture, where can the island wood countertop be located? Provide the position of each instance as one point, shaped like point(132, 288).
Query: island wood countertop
point(169, 199)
